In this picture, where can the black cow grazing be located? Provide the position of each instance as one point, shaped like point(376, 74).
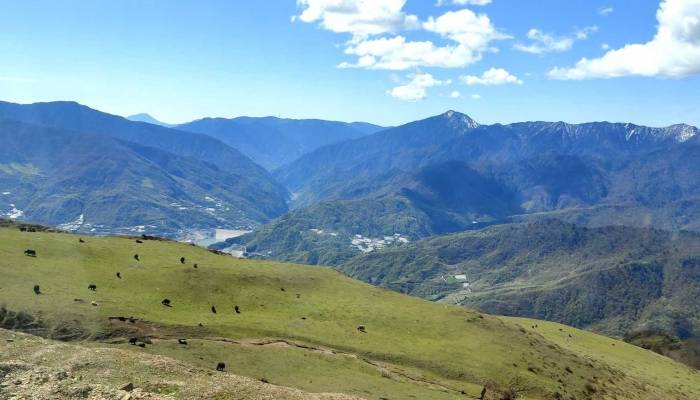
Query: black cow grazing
point(142, 344)
point(30, 253)
point(195, 266)
point(166, 302)
point(362, 329)
point(92, 287)
point(213, 309)
point(119, 275)
point(37, 290)
point(282, 289)
point(298, 296)
point(80, 240)
point(136, 257)
point(220, 366)
point(182, 260)
point(139, 241)
point(238, 310)
point(182, 341)
point(133, 341)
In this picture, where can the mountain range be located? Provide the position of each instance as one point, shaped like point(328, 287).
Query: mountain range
point(67, 164)
point(274, 142)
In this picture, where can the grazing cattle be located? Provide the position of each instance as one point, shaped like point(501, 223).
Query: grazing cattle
point(200, 324)
point(37, 290)
point(136, 257)
point(238, 310)
point(298, 296)
point(195, 266)
point(119, 275)
point(142, 344)
point(132, 340)
point(362, 329)
point(92, 287)
point(80, 240)
point(78, 300)
point(213, 309)
point(138, 241)
point(182, 341)
point(182, 260)
point(282, 289)
point(94, 303)
point(30, 253)
point(165, 302)
point(220, 366)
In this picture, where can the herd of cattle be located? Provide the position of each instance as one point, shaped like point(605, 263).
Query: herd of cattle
point(165, 302)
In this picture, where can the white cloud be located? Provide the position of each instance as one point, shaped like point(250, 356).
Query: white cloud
point(605, 11)
point(416, 88)
point(361, 18)
point(475, 97)
point(466, 28)
point(545, 43)
point(605, 46)
point(455, 94)
point(464, 2)
point(370, 21)
point(493, 76)
point(397, 53)
point(673, 52)
point(471, 34)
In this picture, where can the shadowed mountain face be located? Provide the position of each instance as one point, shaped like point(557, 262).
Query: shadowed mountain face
point(78, 118)
point(453, 136)
point(99, 184)
point(273, 142)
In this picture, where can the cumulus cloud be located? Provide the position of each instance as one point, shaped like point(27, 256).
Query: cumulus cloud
point(376, 43)
point(545, 43)
point(475, 97)
point(455, 94)
point(397, 53)
point(493, 76)
point(361, 18)
point(416, 88)
point(464, 2)
point(674, 50)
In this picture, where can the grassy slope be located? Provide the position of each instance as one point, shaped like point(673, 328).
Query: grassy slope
point(408, 341)
point(100, 371)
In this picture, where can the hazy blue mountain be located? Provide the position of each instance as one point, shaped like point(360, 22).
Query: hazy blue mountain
point(273, 142)
point(75, 117)
point(97, 183)
point(143, 117)
point(454, 136)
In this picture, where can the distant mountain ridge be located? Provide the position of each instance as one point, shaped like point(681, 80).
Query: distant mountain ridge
point(454, 136)
point(97, 184)
point(175, 180)
point(273, 142)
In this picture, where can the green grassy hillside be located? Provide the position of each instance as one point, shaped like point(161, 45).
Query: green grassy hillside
point(298, 326)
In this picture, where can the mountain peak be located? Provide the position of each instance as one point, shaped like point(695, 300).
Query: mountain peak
point(459, 120)
point(144, 117)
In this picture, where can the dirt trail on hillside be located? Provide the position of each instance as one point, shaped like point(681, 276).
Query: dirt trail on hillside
point(36, 368)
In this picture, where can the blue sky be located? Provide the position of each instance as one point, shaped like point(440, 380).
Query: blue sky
point(386, 61)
